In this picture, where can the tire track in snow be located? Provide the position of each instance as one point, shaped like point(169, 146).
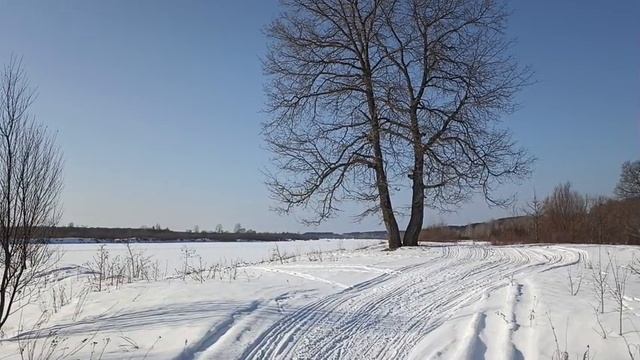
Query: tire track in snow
point(385, 317)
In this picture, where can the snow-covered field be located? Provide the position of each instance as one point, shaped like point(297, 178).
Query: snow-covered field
point(332, 299)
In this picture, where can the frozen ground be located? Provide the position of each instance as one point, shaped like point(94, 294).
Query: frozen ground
point(437, 301)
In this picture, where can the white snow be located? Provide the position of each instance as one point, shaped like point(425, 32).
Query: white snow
point(354, 301)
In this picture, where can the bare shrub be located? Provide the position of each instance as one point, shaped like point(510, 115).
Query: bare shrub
point(276, 255)
point(193, 267)
point(39, 344)
point(315, 255)
point(187, 254)
point(98, 268)
point(105, 270)
point(156, 271)
point(60, 297)
point(137, 264)
point(80, 302)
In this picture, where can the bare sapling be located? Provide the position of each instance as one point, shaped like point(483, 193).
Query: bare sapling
point(620, 275)
point(599, 276)
point(30, 186)
point(277, 255)
point(187, 255)
point(602, 331)
point(574, 287)
point(558, 354)
point(632, 349)
point(535, 210)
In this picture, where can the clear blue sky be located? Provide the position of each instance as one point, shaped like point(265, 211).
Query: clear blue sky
point(157, 104)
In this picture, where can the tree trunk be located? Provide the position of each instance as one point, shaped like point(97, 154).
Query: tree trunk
point(390, 223)
point(620, 313)
point(382, 183)
point(389, 218)
point(414, 227)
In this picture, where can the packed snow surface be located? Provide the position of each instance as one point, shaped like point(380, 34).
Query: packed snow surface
point(336, 299)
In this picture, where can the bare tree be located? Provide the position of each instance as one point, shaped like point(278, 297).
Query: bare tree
point(30, 184)
point(565, 211)
point(628, 192)
point(535, 210)
point(362, 90)
point(326, 131)
point(629, 184)
point(450, 79)
point(598, 224)
point(238, 229)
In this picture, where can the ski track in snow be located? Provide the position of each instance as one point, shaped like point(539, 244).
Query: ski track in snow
point(214, 334)
point(383, 318)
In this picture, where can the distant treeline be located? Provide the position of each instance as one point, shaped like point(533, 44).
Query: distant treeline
point(565, 216)
point(146, 234)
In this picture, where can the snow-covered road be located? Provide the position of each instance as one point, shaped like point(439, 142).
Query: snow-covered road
point(385, 317)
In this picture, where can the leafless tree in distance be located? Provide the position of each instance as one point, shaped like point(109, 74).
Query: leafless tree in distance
point(450, 80)
point(628, 186)
point(535, 210)
point(628, 191)
point(566, 211)
point(30, 184)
